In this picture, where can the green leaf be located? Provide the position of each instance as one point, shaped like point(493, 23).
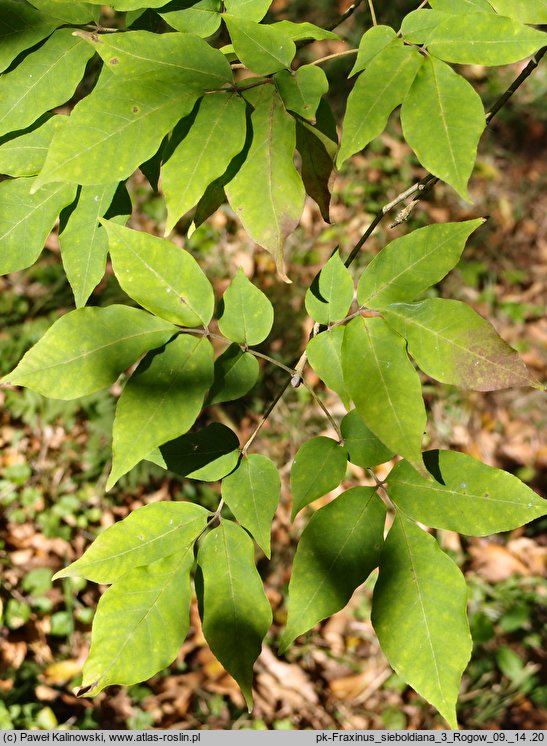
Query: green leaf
point(372, 42)
point(116, 128)
point(21, 27)
point(452, 343)
point(362, 445)
point(191, 64)
point(84, 242)
point(525, 11)
point(409, 265)
point(331, 293)
point(267, 193)
point(247, 314)
point(419, 615)
point(263, 49)
point(252, 493)
point(130, 4)
point(301, 90)
point(235, 373)
point(69, 12)
point(161, 401)
point(467, 496)
point(253, 10)
point(216, 136)
point(303, 31)
point(147, 535)
point(43, 80)
point(203, 18)
point(484, 39)
point(418, 26)
point(318, 467)
point(26, 220)
point(386, 389)
point(25, 155)
point(140, 624)
point(235, 612)
point(337, 551)
point(463, 6)
point(87, 349)
point(160, 276)
point(317, 165)
point(207, 454)
point(378, 90)
point(443, 120)
point(325, 357)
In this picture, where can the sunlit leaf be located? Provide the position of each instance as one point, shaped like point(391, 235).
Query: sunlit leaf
point(525, 11)
point(247, 314)
point(25, 155)
point(202, 18)
point(325, 356)
point(263, 49)
point(253, 10)
point(331, 293)
point(362, 445)
point(372, 42)
point(235, 373)
point(302, 89)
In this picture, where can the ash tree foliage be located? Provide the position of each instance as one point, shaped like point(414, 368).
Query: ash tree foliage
point(165, 92)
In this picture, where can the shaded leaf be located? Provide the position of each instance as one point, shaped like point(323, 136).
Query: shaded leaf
point(267, 192)
point(409, 265)
point(160, 276)
point(384, 386)
point(337, 551)
point(318, 467)
point(325, 356)
point(215, 137)
point(87, 349)
point(419, 615)
point(468, 496)
point(235, 611)
point(362, 445)
point(377, 91)
point(235, 373)
point(161, 401)
point(21, 27)
point(302, 89)
point(25, 155)
point(331, 293)
point(140, 624)
point(26, 220)
point(148, 534)
point(484, 39)
point(317, 166)
point(443, 119)
point(252, 493)
point(207, 454)
point(452, 343)
point(247, 314)
point(69, 12)
point(263, 49)
point(372, 42)
point(84, 242)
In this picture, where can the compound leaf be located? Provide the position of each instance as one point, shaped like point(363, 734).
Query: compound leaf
point(419, 615)
point(161, 400)
point(484, 39)
point(26, 219)
point(235, 373)
point(140, 624)
point(235, 611)
point(84, 242)
point(386, 389)
point(409, 265)
point(43, 80)
point(148, 534)
point(443, 119)
point(467, 496)
point(337, 551)
point(325, 356)
point(267, 192)
point(247, 314)
point(452, 343)
point(216, 136)
point(87, 349)
point(363, 447)
point(263, 49)
point(252, 494)
point(331, 293)
point(378, 90)
point(318, 467)
point(160, 276)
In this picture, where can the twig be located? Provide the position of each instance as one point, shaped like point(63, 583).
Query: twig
point(264, 417)
point(325, 410)
point(372, 13)
point(345, 15)
point(333, 56)
point(530, 67)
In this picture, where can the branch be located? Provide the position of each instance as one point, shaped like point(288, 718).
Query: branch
point(349, 12)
